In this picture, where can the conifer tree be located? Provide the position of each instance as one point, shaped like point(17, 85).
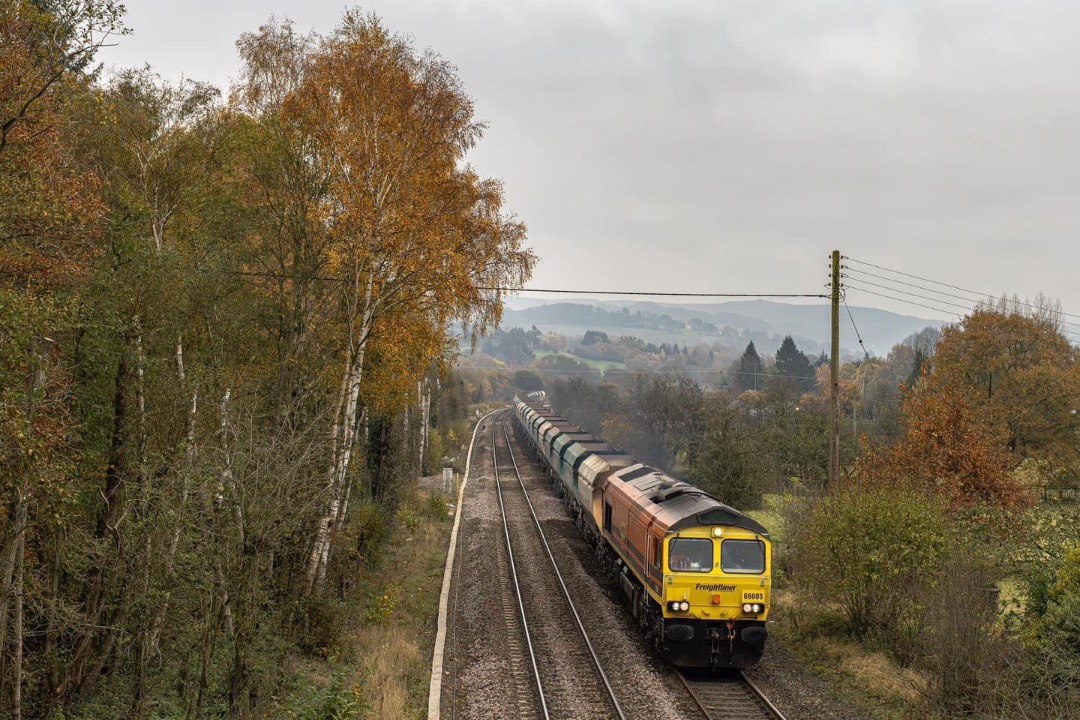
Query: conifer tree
point(793, 366)
point(749, 369)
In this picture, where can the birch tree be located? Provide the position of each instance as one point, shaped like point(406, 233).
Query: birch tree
point(414, 232)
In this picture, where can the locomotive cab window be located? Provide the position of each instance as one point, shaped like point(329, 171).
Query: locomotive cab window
point(654, 553)
point(690, 555)
point(742, 556)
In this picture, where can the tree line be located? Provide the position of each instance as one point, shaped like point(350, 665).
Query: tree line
point(224, 326)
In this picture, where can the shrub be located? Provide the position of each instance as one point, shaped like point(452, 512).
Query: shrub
point(962, 648)
point(873, 551)
point(1060, 623)
point(382, 605)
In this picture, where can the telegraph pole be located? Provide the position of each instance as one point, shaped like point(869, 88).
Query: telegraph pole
point(834, 375)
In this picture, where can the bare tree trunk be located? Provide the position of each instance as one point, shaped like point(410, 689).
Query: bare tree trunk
point(109, 518)
point(343, 436)
point(39, 351)
point(15, 562)
point(423, 391)
point(7, 574)
point(16, 680)
point(158, 621)
point(140, 401)
point(107, 646)
point(343, 432)
point(180, 359)
point(227, 483)
point(51, 631)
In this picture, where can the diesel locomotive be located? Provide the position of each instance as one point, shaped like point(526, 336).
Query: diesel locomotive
point(696, 572)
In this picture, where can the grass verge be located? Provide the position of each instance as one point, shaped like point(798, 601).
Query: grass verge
point(382, 668)
point(858, 673)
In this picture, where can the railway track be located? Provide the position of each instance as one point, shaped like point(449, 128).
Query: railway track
point(729, 697)
point(569, 679)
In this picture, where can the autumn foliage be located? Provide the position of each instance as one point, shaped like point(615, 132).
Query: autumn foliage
point(1001, 386)
point(1019, 374)
point(222, 332)
point(948, 450)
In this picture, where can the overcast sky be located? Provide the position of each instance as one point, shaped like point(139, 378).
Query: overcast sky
point(729, 146)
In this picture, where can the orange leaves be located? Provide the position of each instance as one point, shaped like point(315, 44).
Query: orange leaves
point(49, 209)
point(946, 449)
point(1003, 386)
point(1019, 373)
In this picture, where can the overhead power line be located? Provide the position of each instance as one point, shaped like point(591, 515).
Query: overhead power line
point(907, 284)
point(663, 371)
point(966, 308)
point(987, 296)
point(648, 293)
point(843, 297)
point(903, 300)
point(561, 291)
point(859, 273)
point(953, 313)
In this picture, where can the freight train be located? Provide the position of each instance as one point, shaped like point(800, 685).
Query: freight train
point(696, 572)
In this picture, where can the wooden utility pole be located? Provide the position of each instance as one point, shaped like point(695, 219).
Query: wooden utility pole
point(834, 375)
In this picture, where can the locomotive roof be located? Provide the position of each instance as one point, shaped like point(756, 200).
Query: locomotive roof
point(679, 504)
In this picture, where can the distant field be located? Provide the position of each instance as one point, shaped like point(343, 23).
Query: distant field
point(654, 336)
point(595, 364)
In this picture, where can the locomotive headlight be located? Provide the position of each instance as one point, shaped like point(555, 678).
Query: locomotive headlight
point(758, 608)
point(684, 606)
point(747, 608)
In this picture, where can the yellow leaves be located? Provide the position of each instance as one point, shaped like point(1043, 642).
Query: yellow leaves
point(397, 216)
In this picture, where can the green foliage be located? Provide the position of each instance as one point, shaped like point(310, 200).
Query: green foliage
point(591, 337)
point(528, 381)
point(719, 463)
point(792, 365)
point(336, 701)
point(873, 551)
point(369, 529)
point(1059, 624)
point(382, 604)
point(188, 488)
point(749, 370)
point(1046, 535)
point(515, 346)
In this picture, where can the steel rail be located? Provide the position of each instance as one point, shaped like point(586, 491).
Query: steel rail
point(771, 712)
point(558, 574)
point(761, 696)
point(513, 568)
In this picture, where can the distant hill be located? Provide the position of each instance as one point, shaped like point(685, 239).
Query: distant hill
point(730, 323)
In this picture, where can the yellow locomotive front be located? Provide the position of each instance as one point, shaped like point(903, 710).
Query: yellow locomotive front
point(716, 593)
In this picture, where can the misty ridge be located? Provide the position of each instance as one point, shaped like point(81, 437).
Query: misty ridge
point(764, 322)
